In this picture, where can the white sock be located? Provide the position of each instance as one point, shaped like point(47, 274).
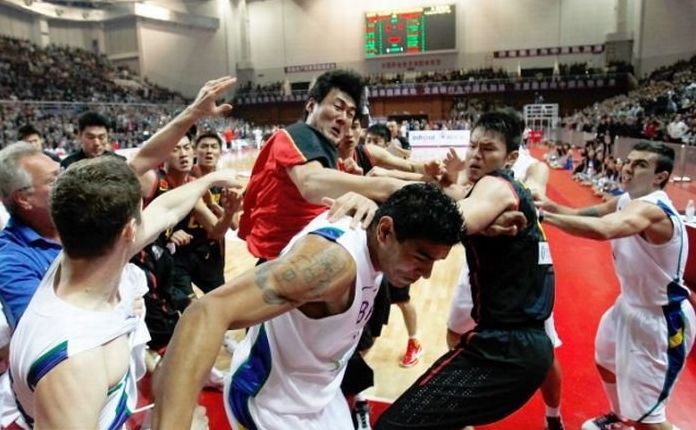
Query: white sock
point(415, 336)
point(553, 412)
point(613, 396)
point(360, 397)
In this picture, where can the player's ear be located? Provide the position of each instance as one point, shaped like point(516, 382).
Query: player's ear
point(511, 158)
point(385, 228)
point(310, 105)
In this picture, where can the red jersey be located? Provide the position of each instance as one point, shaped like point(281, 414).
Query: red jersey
point(274, 209)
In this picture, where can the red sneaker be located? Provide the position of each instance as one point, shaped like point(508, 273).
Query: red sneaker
point(413, 353)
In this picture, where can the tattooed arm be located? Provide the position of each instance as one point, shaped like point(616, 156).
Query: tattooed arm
point(314, 270)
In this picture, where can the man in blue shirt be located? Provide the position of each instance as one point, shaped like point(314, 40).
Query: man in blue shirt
point(28, 244)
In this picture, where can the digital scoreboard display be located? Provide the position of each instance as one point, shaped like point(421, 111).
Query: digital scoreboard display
point(410, 31)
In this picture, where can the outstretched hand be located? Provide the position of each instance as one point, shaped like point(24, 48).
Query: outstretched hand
point(434, 169)
point(204, 103)
point(362, 209)
point(543, 202)
point(349, 165)
point(453, 164)
point(231, 200)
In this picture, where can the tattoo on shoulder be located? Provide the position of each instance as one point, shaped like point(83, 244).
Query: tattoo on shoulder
point(270, 296)
point(304, 275)
point(589, 212)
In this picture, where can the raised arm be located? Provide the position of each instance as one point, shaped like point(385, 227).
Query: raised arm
point(160, 145)
point(316, 182)
point(171, 207)
point(314, 270)
point(636, 218)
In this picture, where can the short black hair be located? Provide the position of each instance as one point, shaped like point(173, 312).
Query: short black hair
point(665, 156)
point(380, 130)
point(92, 119)
point(208, 134)
point(192, 132)
point(506, 122)
point(422, 211)
point(345, 80)
point(26, 130)
point(91, 203)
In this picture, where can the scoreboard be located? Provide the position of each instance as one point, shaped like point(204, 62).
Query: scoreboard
point(410, 31)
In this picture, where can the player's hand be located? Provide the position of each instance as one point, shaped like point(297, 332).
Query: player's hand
point(434, 169)
point(349, 165)
point(507, 224)
point(453, 164)
point(231, 200)
point(543, 202)
point(204, 103)
point(362, 209)
point(180, 238)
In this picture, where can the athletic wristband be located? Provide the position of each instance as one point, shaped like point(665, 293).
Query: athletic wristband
point(540, 215)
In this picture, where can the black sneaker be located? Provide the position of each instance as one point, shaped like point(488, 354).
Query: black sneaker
point(554, 423)
point(606, 422)
point(362, 415)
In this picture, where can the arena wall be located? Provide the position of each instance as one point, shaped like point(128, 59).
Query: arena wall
point(257, 39)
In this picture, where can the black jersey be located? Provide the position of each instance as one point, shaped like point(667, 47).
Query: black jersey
point(511, 276)
point(191, 226)
point(362, 157)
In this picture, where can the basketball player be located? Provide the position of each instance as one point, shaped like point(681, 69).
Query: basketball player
point(297, 167)
point(644, 338)
point(310, 305)
point(375, 160)
point(535, 176)
point(78, 350)
point(499, 365)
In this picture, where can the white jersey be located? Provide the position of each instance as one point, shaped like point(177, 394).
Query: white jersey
point(649, 274)
point(292, 364)
point(52, 330)
point(524, 160)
